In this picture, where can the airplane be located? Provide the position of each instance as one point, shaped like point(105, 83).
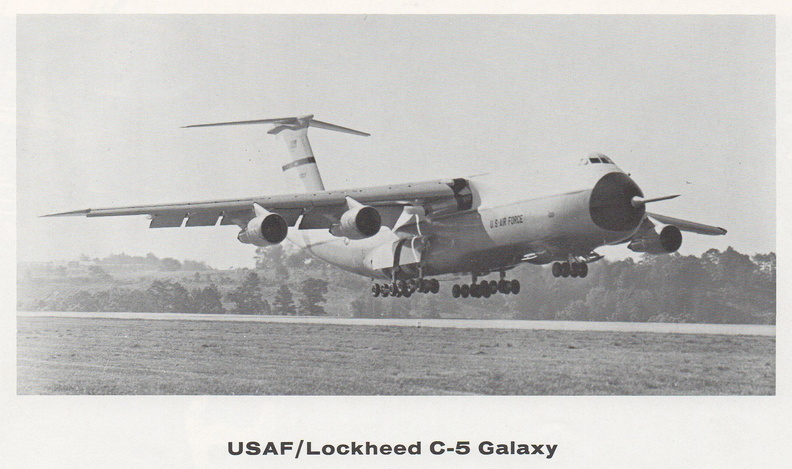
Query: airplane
point(405, 235)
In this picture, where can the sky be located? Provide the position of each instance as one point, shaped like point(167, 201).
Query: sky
point(686, 104)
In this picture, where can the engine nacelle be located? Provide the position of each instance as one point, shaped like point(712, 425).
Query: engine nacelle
point(666, 241)
point(359, 222)
point(266, 229)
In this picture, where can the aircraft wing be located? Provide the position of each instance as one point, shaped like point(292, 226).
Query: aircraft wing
point(318, 209)
point(685, 225)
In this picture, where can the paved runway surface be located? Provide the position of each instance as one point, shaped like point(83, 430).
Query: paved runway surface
point(677, 328)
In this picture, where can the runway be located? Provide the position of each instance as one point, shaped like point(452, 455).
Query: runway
point(588, 326)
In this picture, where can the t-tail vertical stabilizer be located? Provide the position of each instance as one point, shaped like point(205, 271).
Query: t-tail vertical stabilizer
point(294, 131)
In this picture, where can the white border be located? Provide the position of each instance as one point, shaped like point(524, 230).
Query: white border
point(112, 431)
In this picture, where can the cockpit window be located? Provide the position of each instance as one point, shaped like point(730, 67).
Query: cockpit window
point(596, 159)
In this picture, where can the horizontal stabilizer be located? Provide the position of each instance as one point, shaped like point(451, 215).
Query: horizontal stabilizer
point(337, 128)
point(278, 120)
point(690, 226)
point(287, 123)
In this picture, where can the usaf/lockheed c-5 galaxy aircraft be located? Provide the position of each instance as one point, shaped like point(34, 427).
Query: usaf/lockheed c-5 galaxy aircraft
point(406, 233)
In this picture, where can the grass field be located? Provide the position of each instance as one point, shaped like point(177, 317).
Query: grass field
point(114, 356)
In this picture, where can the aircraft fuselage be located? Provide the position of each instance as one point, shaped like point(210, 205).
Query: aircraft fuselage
point(545, 213)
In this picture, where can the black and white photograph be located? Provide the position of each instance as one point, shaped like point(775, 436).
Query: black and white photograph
point(489, 205)
point(398, 213)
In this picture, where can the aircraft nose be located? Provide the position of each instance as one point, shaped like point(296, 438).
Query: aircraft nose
point(610, 204)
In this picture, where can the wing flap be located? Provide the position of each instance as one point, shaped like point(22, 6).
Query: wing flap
point(690, 226)
point(203, 219)
point(237, 218)
point(320, 219)
point(166, 221)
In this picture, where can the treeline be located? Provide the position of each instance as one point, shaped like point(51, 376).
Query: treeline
point(99, 267)
point(167, 296)
point(149, 260)
point(718, 287)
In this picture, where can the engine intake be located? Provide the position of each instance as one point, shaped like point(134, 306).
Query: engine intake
point(668, 240)
point(358, 222)
point(264, 230)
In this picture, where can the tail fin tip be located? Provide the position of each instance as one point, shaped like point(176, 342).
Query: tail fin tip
point(282, 123)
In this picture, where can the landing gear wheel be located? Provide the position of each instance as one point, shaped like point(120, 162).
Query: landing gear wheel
point(474, 290)
point(556, 269)
point(407, 293)
point(464, 290)
point(583, 270)
point(422, 286)
point(504, 286)
point(455, 291)
point(385, 290)
point(515, 286)
point(402, 286)
point(375, 290)
point(565, 269)
point(493, 287)
point(573, 270)
point(485, 291)
point(434, 285)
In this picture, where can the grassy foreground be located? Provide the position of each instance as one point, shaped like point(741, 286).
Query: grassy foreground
point(114, 356)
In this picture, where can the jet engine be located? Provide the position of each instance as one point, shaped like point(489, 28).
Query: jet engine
point(264, 230)
point(359, 222)
point(666, 241)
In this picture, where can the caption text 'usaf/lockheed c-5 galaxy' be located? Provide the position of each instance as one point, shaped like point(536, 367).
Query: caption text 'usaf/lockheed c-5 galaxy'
point(406, 233)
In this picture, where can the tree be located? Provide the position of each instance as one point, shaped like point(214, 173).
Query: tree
point(99, 273)
point(766, 262)
point(271, 258)
point(429, 310)
point(194, 265)
point(247, 296)
point(360, 307)
point(299, 260)
point(207, 300)
point(170, 264)
point(575, 311)
point(168, 297)
point(152, 260)
point(313, 290)
point(399, 309)
point(284, 302)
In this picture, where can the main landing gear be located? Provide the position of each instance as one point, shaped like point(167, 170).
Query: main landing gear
point(486, 288)
point(405, 288)
point(570, 269)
